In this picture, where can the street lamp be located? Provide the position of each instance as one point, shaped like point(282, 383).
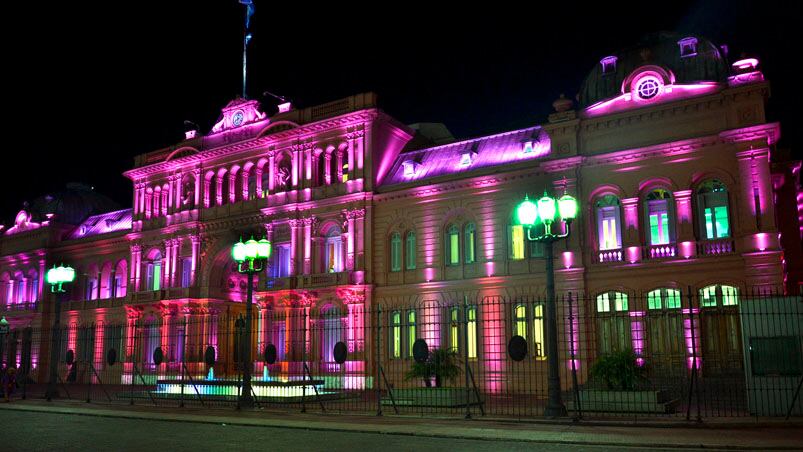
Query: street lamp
point(56, 277)
point(250, 257)
point(543, 213)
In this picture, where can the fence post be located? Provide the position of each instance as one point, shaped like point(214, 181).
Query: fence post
point(572, 355)
point(183, 360)
point(465, 356)
point(693, 383)
point(86, 371)
point(378, 353)
point(303, 358)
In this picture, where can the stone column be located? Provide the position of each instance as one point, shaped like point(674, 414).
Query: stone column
point(294, 225)
point(167, 260)
point(631, 242)
point(309, 223)
point(271, 172)
point(136, 251)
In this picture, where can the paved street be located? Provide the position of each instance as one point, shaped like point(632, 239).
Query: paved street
point(46, 431)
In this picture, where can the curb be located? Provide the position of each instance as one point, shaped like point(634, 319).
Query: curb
point(359, 428)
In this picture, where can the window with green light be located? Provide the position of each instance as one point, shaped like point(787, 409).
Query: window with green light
point(517, 240)
point(410, 332)
point(520, 319)
point(719, 295)
point(539, 350)
point(454, 329)
point(712, 208)
point(452, 245)
point(663, 298)
point(471, 331)
point(409, 252)
point(395, 334)
point(658, 209)
point(395, 252)
point(619, 301)
point(470, 237)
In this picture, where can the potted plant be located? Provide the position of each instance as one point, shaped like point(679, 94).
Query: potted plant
point(441, 366)
point(619, 384)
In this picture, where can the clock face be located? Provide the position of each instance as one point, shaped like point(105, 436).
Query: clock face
point(237, 118)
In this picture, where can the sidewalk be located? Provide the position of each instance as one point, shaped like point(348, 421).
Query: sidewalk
point(723, 435)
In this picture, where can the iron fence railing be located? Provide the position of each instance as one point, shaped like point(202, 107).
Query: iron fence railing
point(668, 353)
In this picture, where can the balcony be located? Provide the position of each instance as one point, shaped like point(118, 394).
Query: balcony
point(605, 256)
point(281, 283)
point(715, 247)
point(325, 279)
point(667, 251)
point(17, 307)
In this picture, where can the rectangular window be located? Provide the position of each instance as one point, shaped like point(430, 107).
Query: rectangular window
point(708, 297)
point(721, 221)
point(119, 290)
point(654, 299)
point(603, 303)
point(454, 249)
point(609, 232)
point(620, 301)
point(470, 252)
point(729, 296)
point(454, 329)
point(672, 299)
point(410, 332)
point(538, 332)
point(658, 216)
point(280, 267)
point(34, 290)
point(520, 315)
point(395, 253)
point(395, 335)
point(157, 276)
point(471, 331)
point(517, 242)
point(410, 252)
point(186, 272)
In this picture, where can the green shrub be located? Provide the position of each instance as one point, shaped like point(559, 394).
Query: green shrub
point(618, 370)
point(441, 364)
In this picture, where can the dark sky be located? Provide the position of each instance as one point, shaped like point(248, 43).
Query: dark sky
point(88, 86)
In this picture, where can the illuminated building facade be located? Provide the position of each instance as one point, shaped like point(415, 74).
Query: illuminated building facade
point(667, 149)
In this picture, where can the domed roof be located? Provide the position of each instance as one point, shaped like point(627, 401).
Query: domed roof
point(704, 63)
point(71, 205)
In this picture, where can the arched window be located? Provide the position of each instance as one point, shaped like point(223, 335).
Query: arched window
point(265, 181)
point(660, 219)
point(92, 286)
point(608, 300)
point(712, 210)
point(120, 278)
point(409, 251)
point(333, 167)
point(609, 223)
point(153, 271)
point(470, 240)
point(664, 298)
point(517, 240)
point(452, 245)
point(719, 295)
point(613, 322)
point(333, 251)
point(395, 252)
point(106, 282)
point(252, 183)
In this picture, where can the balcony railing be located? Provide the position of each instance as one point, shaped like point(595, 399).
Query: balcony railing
point(281, 283)
point(325, 279)
point(715, 247)
point(26, 306)
point(609, 255)
point(660, 251)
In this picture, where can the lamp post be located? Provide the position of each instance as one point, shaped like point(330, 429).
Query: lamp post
point(250, 257)
point(543, 212)
point(56, 277)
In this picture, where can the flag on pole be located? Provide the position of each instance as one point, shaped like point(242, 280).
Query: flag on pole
point(249, 11)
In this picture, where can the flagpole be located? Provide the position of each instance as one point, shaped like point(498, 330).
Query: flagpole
point(245, 50)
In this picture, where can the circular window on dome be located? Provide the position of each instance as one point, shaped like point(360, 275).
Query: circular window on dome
point(648, 87)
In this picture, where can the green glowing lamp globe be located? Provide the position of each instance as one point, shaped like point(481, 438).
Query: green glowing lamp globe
point(546, 209)
point(567, 206)
point(263, 248)
point(60, 274)
point(527, 212)
point(68, 274)
point(238, 251)
point(52, 276)
point(251, 249)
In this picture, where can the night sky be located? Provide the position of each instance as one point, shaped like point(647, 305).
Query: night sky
point(88, 86)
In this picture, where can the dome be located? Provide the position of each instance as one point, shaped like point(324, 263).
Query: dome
point(71, 205)
point(690, 58)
